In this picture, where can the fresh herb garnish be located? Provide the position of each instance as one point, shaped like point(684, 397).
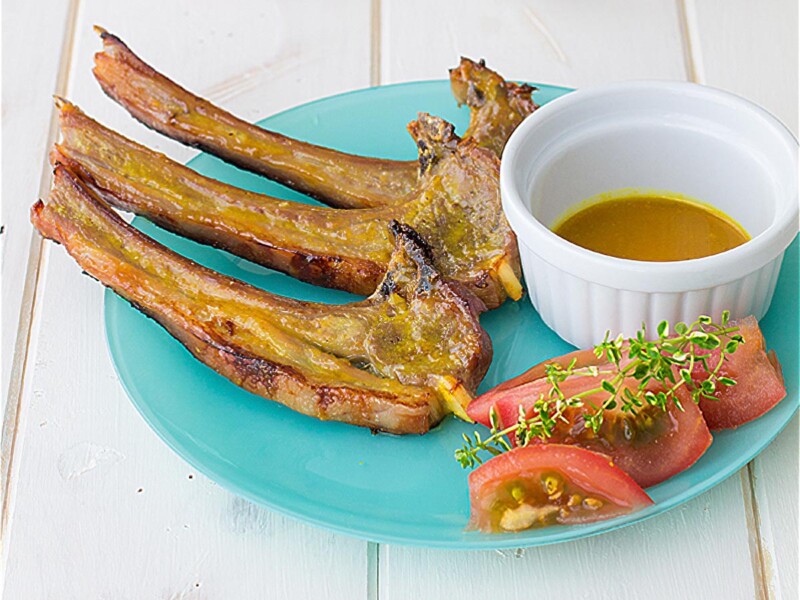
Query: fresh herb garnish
point(670, 360)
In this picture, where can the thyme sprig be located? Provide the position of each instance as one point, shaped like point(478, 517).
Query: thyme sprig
point(670, 360)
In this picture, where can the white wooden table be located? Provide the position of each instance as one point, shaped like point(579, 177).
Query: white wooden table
point(96, 507)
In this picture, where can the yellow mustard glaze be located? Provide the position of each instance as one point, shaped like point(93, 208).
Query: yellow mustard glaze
point(657, 226)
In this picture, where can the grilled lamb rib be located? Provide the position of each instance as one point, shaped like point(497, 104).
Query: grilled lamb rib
point(458, 213)
point(496, 106)
point(398, 361)
point(335, 178)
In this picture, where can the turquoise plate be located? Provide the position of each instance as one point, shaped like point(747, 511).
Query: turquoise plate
point(406, 490)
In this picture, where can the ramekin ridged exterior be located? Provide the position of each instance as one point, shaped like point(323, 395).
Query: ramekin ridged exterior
point(694, 136)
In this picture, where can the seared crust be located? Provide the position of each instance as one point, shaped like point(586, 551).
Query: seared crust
point(497, 106)
point(335, 178)
point(332, 248)
point(375, 363)
point(458, 212)
point(339, 179)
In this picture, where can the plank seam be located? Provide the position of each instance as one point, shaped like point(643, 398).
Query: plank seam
point(760, 555)
point(692, 56)
point(11, 418)
point(753, 530)
point(695, 72)
point(375, 43)
point(373, 570)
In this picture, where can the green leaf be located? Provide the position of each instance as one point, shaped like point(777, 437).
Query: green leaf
point(712, 342)
point(662, 329)
point(608, 386)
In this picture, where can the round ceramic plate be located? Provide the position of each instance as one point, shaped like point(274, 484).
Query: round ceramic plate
point(385, 488)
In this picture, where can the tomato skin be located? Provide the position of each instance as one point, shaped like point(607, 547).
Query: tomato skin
point(590, 474)
point(507, 399)
point(582, 358)
point(526, 388)
point(759, 382)
point(672, 442)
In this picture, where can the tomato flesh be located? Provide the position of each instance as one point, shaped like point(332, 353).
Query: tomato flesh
point(650, 446)
point(759, 382)
point(582, 358)
point(549, 484)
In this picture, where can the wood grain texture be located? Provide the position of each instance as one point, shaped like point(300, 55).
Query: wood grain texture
point(549, 41)
point(101, 507)
point(753, 51)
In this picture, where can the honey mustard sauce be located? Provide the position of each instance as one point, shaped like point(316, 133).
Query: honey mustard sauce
point(651, 228)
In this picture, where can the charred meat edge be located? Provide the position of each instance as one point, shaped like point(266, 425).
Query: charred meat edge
point(460, 211)
point(335, 178)
point(246, 334)
point(343, 180)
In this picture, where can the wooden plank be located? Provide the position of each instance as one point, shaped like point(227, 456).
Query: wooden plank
point(774, 477)
point(29, 128)
point(687, 553)
point(549, 41)
point(101, 507)
point(754, 53)
point(698, 550)
point(750, 50)
point(30, 78)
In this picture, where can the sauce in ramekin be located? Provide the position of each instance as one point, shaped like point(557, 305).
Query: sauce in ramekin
point(651, 228)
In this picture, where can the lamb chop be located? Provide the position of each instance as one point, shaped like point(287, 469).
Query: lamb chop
point(335, 178)
point(496, 106)
point(398, 361)
point(458, 213)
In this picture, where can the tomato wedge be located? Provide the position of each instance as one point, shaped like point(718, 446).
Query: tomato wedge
point(759, 381)
point(582, 358)
point(650, 446)
point(507, 399)
point(548, 484)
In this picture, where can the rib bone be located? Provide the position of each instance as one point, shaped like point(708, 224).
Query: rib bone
point(397, 361)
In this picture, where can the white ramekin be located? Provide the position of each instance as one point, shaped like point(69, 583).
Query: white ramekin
point(676, 137)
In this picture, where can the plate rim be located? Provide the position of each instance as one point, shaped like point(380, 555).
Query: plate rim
point(488, 542)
